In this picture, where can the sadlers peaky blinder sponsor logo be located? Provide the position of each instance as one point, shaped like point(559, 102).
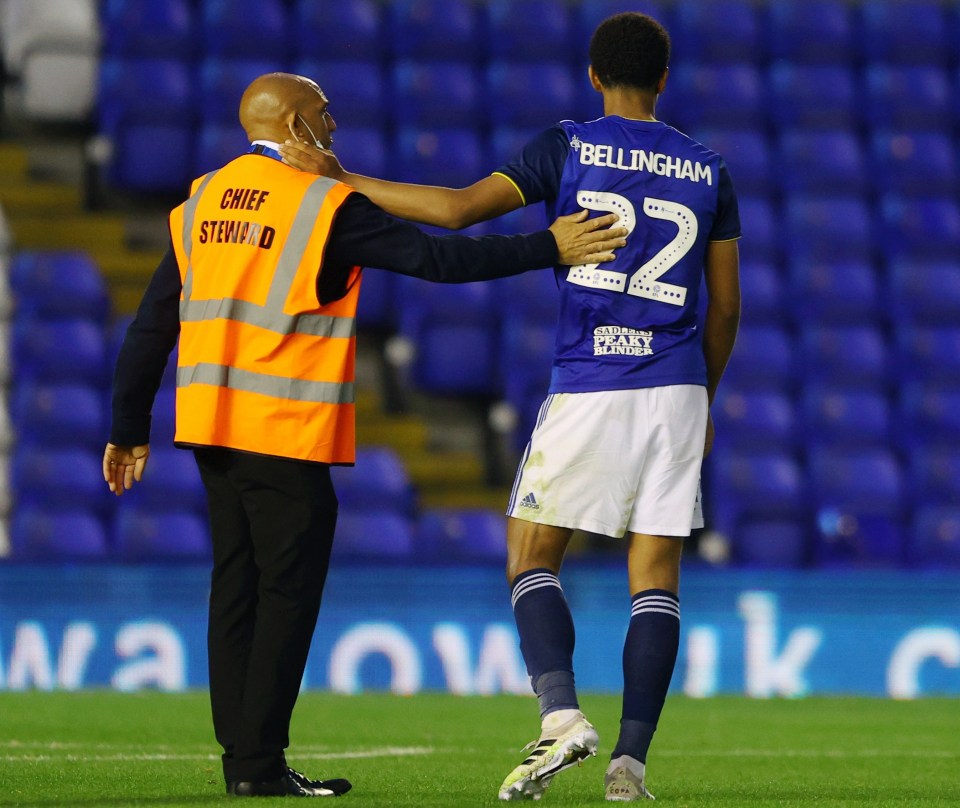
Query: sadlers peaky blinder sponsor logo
point(620, 340)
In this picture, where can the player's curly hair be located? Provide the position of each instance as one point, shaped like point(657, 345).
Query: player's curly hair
point(630, 50)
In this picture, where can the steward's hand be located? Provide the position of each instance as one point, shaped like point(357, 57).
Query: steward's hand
point(124, 464)
point(311, 159)
point(583, 241)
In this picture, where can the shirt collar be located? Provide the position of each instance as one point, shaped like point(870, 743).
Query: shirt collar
point(268, 148)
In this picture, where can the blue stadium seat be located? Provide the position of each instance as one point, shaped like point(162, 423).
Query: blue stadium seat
point(338, 29)
point(771, 543)
point(929, 414)
point(754, 419)
point(53, 284)
point(171, 479)
point(236, 28)
point(844, 355)
point(534, 94)
point(169, 534)
point(914, 163)
point(378, 482)
point(58, 479)
point(835, 292)
point(222, 82)
point(812, 32)
point(506, 142)
point(797, 96)
point(908, 32)
point(764, 360)
point(59, 350)
point(762, 228)
point(59, 415)
point(828, 227)
point(453, 157)
point(590, 13)
point(357, 91)
point(147, 112)
point(509, 35)
point(376, 310)
point(934, 474)
point(217, 144)
point(821, 162)
point(436, 30)
point(928, 353)
point(762, 290)
point(747, 154)
point(459, 534)
point(719, 31)
point(920, 228)
point(906, 96)
point(37, 534)
point(373, 536)
point(714, 95)
point(149, 28)
point(428, 93)
point(839, 416)
point(924, 292)
point(934, 539)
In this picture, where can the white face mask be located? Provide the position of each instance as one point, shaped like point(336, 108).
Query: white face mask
point(316, 141)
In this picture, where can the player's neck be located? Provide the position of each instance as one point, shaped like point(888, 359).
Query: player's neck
point(633, 104)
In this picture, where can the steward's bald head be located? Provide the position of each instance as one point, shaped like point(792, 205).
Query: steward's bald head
point(270, 106)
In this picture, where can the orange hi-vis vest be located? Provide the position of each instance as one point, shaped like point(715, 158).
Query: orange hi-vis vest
point(263, 366)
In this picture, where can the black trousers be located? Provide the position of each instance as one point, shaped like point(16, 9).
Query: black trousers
point(272, 522)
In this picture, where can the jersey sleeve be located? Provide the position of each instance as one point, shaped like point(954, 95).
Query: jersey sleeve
point(726, 224)
point(535, 173)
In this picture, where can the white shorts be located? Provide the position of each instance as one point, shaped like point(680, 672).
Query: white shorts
point(615, 461)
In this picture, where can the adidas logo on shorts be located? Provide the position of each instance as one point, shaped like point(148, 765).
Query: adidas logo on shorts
point(530, 501)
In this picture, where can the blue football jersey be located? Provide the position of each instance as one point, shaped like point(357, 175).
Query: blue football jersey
point(632, 322)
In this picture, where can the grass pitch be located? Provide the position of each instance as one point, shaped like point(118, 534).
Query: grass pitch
point(107, 749)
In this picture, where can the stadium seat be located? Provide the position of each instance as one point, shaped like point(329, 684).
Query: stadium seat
point(222, 83)
point(378, 482)
point(57, 479)
point(914, 163)
point(170, 534)
point(534, 94)
point(59, 350)
point(60, 414)
point(436, 30)
point(762, 228)
point(720, 31)
point(171, 479)
point(924, 292)
point(771, 543)
point(764, 360)
point(365, 150)
point(54, 284)
point(754, 419)
point(459, 534)
point(908, 32)
point(509, 34)
point(798, 96)
point(821, 162)
point(927, 353)
point(164, 29)
point(812, 32)
point(357, 91)
point(338, 29)
point(746, 153)
point(427, 93)
point(929, 414)
point(590, 13)
point(910, 97)
point(844, 355)
point(714, 95)
point(763, 294)
point(234, 29)
point(920, 228)
point(37, 534)
point(843, 538)
point(506, 143)
point(217, 144)
point(373, 537)
point(934, 474)
point(146, 111)
point(453, 157)
point(934, 539)
point(828, 227)
point(839, 416)
point(376, 310)
point(834, 292)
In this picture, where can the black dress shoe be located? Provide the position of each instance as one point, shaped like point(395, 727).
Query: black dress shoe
point(291, 784)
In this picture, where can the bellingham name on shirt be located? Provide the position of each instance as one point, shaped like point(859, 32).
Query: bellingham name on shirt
point(600, 154)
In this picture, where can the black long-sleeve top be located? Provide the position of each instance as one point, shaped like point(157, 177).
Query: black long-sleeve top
point(362, 235)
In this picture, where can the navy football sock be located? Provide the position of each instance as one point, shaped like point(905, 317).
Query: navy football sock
point(649, 656)
point(547, 638)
